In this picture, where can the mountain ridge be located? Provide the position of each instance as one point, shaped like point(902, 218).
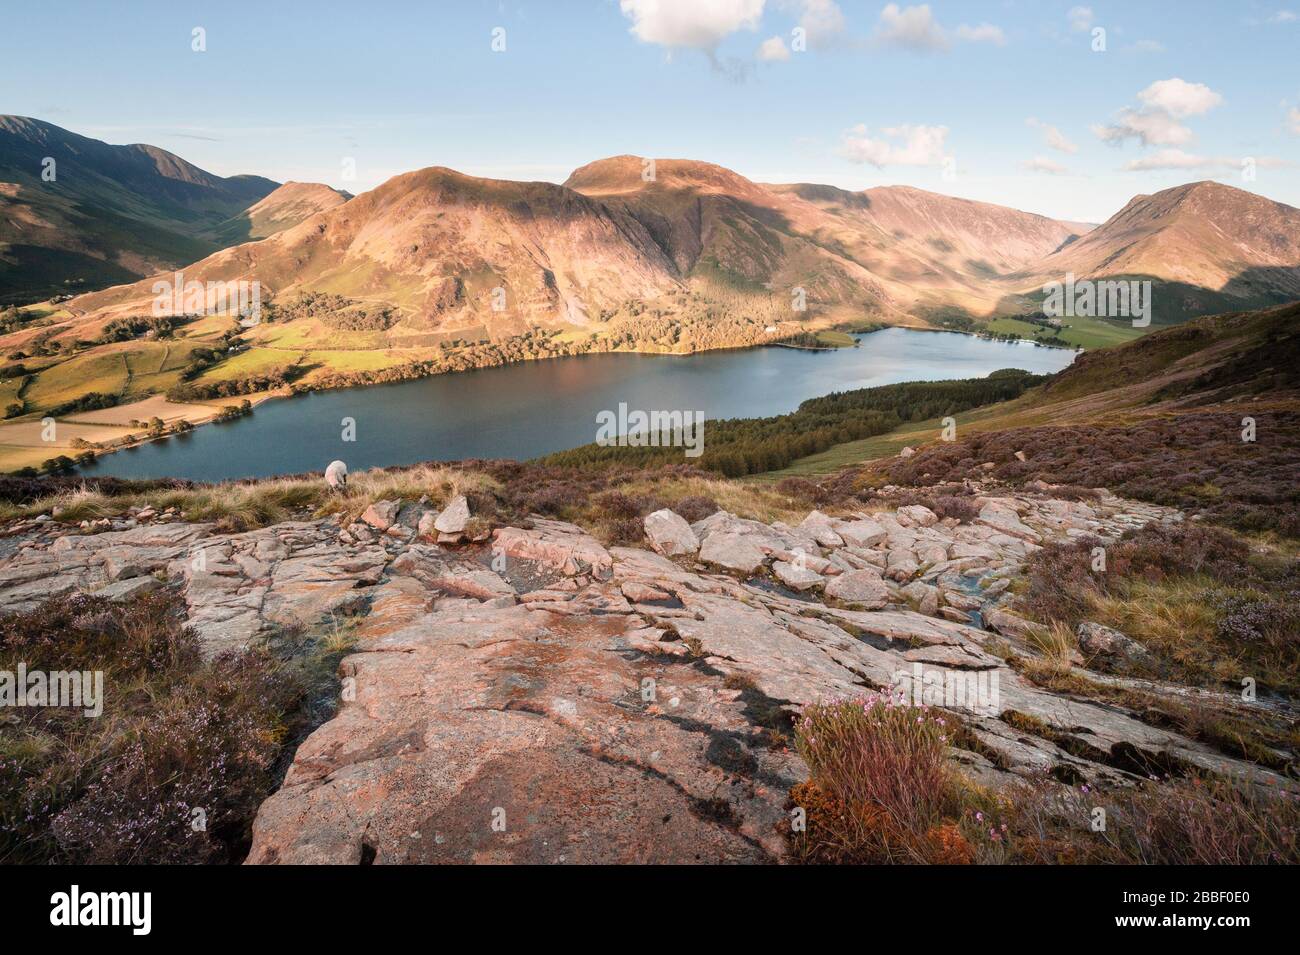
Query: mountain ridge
point(108, 214)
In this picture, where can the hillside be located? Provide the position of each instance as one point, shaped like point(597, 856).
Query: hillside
point(435, 244)
point(1208, 248)
point(110, 214)
point(1204, 417)
point(890, 250)
point(282, 209)
point(933, 250)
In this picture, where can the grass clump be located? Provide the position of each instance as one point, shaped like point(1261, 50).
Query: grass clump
point(1208, 607)
point(881, 790)
point(879, 779)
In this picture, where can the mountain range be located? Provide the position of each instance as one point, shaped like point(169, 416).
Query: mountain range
point(699, 246)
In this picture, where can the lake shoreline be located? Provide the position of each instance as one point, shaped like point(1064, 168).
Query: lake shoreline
point(531, 408)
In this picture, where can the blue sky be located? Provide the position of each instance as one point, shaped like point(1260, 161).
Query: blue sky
point(1004, 101)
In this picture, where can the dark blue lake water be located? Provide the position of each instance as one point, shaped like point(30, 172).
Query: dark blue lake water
point(536, 407)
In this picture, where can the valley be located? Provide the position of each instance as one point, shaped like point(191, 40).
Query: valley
point(914, 476)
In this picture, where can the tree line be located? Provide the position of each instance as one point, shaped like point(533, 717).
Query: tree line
point(739, 446)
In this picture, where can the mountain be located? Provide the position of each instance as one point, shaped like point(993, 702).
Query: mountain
point(108, 214)
point(435, 245)
point(726, 232)
point(282, 209)
point(933, 250)
point(1206, 246)
point(886, 249)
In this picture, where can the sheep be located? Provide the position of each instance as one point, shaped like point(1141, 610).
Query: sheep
point(336, 475)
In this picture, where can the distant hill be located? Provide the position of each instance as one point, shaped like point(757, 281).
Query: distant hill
point(892, 248)
point(282, 209)
point(1207, 248)
point(110, 214)
point(437, 244)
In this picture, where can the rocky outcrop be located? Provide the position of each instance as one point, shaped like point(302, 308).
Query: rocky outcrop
point(539, 697)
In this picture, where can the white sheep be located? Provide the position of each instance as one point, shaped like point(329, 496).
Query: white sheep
point(336, 475)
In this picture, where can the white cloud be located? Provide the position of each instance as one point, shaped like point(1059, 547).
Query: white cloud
point(1080, 19)
point(1177, 97)
point(984, 33)
point(916, 29)
point(1044, 165)
point(774, 50)
point(1156, 122)
point(912, 28)
point(692, 24)
point(1283, 16)
point(823, 22)
point(905, 145)
point(1151, 127)
point(1054, 137)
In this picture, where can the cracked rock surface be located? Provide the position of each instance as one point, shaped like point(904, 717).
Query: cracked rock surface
point(540, 697)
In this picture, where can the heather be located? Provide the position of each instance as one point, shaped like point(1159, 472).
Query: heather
point(880, 790)
point(1196, 462)
point(1209, 607)
point(174, 768)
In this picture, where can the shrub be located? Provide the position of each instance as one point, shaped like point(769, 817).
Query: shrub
point(696, 508)
point(882, 769)
point(177, 733)
point(616, 504)
point(1195, 461)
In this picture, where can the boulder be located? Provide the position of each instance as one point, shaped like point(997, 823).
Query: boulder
point(1097, 640)
point(796, 576)
point(425, 528)
point(1012, 625)
point(123, 590)
point(734, 551)
point(918, 515)
point(925, 596)
point(454, 516)
point(822, 529)
point(556, 546)
point(863, 588)
point(902, 565)
point(1003, 518)
point(669, 534)
point(861, 533)
point(381, 514)
point(118, 567)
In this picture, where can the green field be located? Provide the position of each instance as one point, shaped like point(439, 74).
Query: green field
point(1085, 332)
point(836, 339)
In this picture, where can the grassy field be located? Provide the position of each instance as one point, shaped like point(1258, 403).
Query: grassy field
point(103, 371)
point(1085, 332)
point(836, 339)
point(127, 370)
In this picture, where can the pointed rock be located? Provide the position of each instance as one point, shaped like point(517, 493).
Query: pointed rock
point(669, 534)
point(454, 517)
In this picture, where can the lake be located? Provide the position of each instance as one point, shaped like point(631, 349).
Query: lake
point(536, 407)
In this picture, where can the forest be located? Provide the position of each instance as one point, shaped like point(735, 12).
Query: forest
point(740, 446)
